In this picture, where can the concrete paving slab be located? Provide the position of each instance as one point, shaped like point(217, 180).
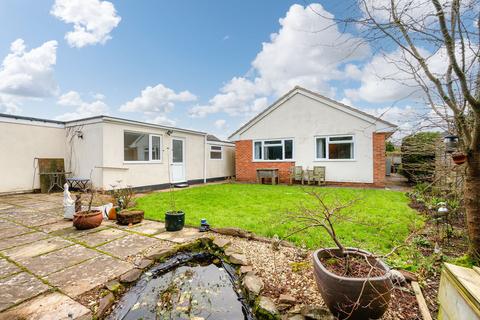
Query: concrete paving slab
point(73, 233)
point(21, 239)
point(5, 224)
point(14, 231)
point(50, 306)
point(84, 277)
point(97, 238)
point(57, 260)
point(149, 227)
point(19, 287)
point(182, 236)
point(7, 268)
point(128, 246)
point(35, 249)
point(37, 219)
point(59, 225)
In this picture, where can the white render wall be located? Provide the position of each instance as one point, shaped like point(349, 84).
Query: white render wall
point(221, 168)
point(19, 145)
point(302, 118)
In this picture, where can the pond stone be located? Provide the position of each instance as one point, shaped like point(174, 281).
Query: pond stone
point(105, 303)
point(221, 243)
point(131, 276)
point(159, 254)
point(239, 259)
point(287, 299)
point(253, 284)
point(113, 286)
point(246, 269)
point(316, 313)
point(266, 309)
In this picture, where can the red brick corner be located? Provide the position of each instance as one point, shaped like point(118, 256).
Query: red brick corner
point(246, 169)
point(379, 159)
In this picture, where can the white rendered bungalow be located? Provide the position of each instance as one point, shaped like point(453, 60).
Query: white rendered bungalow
point(306, 129)
point(108, 150)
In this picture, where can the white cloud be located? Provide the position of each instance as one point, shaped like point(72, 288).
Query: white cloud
point(221, 124)
point(162, 120)
point(157, 99)
point(29, 73)
point(92, 20)
point(83, 109)
point(9, 104)
point(307, 50)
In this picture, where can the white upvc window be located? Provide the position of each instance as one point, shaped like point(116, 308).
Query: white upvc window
point(338, 147)
point(273, 150)
point(141, 147)
point(216, 152)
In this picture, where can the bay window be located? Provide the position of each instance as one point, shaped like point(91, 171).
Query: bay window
point(273, 150)
point(141, 147)
point(334, 148)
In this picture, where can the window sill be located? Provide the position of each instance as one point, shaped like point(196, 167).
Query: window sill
point(334, 160)
point(290, 160)
point(143, 162)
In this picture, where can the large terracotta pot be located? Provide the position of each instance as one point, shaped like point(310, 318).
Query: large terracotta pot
point(340, 293)
point(84, 221)
point(459, 158)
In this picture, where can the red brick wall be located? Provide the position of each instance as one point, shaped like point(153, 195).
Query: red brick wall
point(379, 159)
point(246, 169)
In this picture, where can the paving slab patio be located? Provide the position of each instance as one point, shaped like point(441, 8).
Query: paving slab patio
point(57, 260)
point(129, 245)
point(50, 306)
point(19, 287)
point(7, 268)
point(83, 277)
point(46, 264)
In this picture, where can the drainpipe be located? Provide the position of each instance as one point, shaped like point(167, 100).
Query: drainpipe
point(205, 159)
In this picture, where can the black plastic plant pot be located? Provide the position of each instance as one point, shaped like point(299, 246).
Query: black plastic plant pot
point(174, 220)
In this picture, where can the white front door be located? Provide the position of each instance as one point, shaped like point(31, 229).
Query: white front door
point(178, 160)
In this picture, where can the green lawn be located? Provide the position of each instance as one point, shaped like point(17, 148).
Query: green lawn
point(384, 217)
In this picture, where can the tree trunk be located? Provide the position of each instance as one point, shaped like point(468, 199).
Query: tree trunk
point(472, 201)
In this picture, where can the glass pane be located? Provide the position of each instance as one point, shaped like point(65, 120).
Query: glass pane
point(273, 142)
point(340, 151)
point(177, 151)
point(258, 150)
point(341, 138)
point(216, 148)
point(215, 155)
point(273, 153)
point(288, 149)
point(156, 148)
point(321, 148)
point(135, 146)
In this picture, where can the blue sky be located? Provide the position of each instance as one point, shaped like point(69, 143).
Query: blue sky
point(207, 65)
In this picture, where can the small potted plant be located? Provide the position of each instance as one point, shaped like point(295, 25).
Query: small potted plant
point(87, 219)
point(127, 214)
point(174, 219)
point(354, 283)
point(459, 157)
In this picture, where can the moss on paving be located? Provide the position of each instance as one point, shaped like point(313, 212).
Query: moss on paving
point(381, 219)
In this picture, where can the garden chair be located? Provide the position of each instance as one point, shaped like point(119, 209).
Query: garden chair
point(318, 175)
point(296, 174)
point(307, 176)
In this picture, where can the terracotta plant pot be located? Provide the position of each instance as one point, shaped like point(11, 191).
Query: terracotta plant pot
point(340, 293)
point(174, 220)
point(459, 158)
point(84, 221)
point(126, 217)
point(112, 214)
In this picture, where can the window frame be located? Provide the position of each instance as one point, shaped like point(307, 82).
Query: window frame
point(262, 141)
point(210, 152)
point(327, 143)
point(150, 149)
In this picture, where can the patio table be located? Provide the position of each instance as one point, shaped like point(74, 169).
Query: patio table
point(55, 179)
point(270, 173)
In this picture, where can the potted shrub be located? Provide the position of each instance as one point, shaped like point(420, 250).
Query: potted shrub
point(354, 283)
point(174, 219)
point(459, 157)
point(126, 215)
point(87, 219)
